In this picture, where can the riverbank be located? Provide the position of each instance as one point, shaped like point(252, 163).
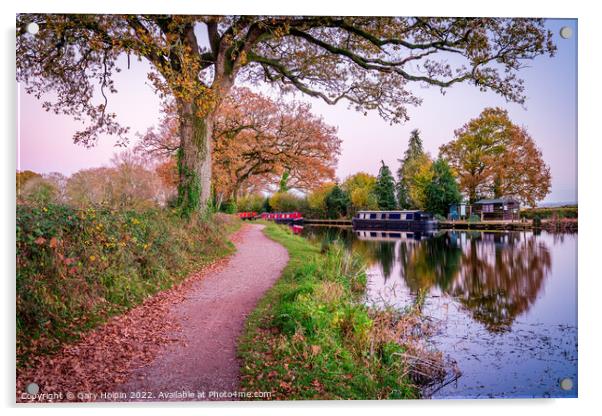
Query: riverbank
point(311, 337)
point(548, 224)
point(489, 295)
point(179, 344)
point(78, 268)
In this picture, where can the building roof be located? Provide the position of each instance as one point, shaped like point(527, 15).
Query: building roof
point(496, 200)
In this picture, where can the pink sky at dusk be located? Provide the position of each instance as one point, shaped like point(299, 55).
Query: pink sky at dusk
point(45, 140)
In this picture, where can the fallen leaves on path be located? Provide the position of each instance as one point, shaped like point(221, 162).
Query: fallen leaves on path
point(107, 355)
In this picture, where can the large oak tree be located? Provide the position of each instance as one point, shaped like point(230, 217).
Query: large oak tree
point(256, 141)
point(365, 61)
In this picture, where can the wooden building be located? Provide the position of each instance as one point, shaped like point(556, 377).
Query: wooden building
point(506, 209)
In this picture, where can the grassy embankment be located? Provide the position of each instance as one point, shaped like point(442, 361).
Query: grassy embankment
point(550, 213)
point(311, 337)
point(76, 268)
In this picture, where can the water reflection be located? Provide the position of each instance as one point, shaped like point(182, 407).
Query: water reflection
point(500, 276)
point(496, 276)
point(505, 302)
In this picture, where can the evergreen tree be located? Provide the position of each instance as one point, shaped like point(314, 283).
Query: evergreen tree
point(283, 184)
point(443, 190)
point(406, 171)
point(337, 202)
point(266, 205)
point(385, 188)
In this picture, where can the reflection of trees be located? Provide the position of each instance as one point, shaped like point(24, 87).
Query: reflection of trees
point(377, 252)
point(328, 235)
point(431, 262)
point(496, 276)
point(386, 254)
point(500, 277)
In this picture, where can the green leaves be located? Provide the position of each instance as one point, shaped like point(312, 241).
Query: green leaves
point(76, 267)
point(385, 189)
point(442, 191)
point(312, 337)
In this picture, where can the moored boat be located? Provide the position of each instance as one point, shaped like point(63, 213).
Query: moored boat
point(247, 215)
point(283, 217)
point(394, 220)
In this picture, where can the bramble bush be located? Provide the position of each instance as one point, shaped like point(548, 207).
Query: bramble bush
point(75, 268)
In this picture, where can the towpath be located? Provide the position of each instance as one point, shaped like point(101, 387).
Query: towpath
point(211, 318)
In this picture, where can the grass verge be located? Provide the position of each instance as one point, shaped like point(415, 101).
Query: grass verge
point(311, 337)
point(77, 268)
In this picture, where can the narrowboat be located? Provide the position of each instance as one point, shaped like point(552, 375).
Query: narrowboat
point(283, 217)
point(247, 215)
point(394, 220)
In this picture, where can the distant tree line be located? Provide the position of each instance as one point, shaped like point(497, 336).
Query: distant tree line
point(128, 183)
point(490, 157)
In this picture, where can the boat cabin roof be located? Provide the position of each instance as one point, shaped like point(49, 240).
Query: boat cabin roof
point(400, 212)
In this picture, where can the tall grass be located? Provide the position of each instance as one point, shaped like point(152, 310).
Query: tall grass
point(76, 268)
point(311, 337)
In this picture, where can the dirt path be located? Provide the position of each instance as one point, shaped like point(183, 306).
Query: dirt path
point(212, 316)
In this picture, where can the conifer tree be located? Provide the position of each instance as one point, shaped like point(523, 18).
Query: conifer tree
point(337, 202)
point(406, 171)
point(442, 191)
point(385, 188)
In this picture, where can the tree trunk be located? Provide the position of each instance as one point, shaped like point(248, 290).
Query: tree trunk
point(497, 187)
point(194, 159)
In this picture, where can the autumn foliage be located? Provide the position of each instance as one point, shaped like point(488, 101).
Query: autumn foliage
point(255, 140)
point(366, 62)
point(493, 157)
point(75, 268)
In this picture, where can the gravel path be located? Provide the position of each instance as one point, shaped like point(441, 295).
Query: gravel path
point(212, 316)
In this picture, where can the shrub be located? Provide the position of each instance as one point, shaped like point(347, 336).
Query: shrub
point(546, 213)
point(229, 207)
point(39, 191)
point(286, 202)
point(253, 203)
point(316, 200)
point(75, 268)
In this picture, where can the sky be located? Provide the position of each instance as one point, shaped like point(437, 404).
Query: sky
point(550, 115)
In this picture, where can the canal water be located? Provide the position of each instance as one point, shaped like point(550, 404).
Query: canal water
point(504, 304)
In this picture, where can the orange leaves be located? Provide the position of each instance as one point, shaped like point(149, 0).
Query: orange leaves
point(256, 139)
point(493, 157)
point(106, 356)
point(285, 386)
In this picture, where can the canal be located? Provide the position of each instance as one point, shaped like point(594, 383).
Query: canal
point(504, 304)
